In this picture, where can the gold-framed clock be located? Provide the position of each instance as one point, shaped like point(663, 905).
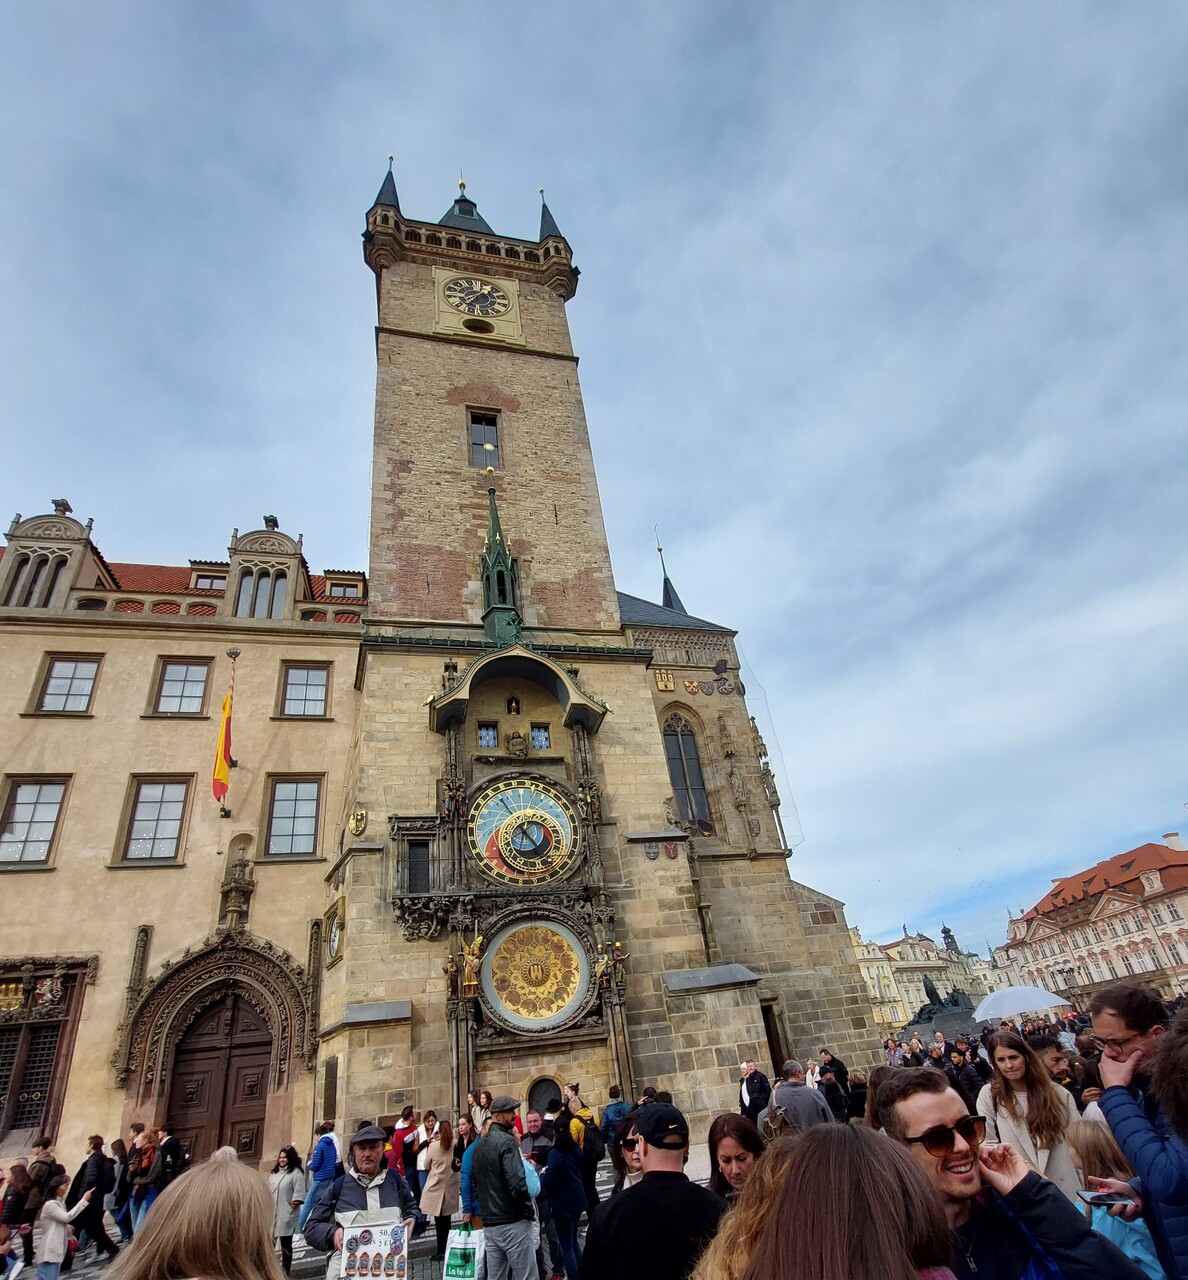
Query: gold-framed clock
point(523, 831)
point(472, 304)
point(474, 296)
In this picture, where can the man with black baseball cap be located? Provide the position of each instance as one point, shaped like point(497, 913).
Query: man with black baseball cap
point(660, 1227)
point(498, 1178)
point(367, 1184)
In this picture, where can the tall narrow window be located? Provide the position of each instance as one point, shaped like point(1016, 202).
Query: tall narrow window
point(293, 817)
point(31, 812)
point(40, 1007)
point(69, 683)
point(684, 771)
point(484, 439)
point(418, 866)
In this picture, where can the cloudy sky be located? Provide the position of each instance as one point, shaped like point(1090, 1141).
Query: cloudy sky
point(882, 321)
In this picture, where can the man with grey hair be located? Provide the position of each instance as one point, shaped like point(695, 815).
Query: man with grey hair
point(794, 1106)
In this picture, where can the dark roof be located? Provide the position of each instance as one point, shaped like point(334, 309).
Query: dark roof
point(387, 193)
point(548, 225)
point(669, 598)
point(643, 613)
point(464, 215)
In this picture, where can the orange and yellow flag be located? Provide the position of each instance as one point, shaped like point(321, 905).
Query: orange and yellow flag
point(222, 764)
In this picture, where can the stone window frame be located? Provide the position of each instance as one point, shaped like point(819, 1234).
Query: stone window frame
point(270, 816)
point(696, 732)
point(46, 673)
point(166, 660)
point(209, 582)
point(11, 783)
point(121, 858)
point(496, 458)
point(296, 664)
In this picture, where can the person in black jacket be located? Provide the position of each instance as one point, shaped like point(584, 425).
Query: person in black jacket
point(366, 1174)
point(1007, 1222)
point(172, 1154)
point(754, 1091)
point(97, 1176)
point(966, 1080)
point(841, 1073)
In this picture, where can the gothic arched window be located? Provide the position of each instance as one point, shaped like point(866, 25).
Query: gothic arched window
point(684, 770)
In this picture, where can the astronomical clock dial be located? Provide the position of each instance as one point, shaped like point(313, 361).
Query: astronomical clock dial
point(475, 297)
point(523, 832)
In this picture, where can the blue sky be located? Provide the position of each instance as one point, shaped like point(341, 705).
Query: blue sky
point(882, 320)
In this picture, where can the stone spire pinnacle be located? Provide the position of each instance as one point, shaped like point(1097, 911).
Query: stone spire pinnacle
point(669, 598)
point(501, 590)
point(387, 192)
point(548, 224)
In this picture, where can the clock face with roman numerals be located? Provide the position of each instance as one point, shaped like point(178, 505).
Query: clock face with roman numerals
point(476, 297)
point(523, 832)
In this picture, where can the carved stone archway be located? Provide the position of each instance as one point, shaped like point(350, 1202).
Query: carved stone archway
point(158, 1014)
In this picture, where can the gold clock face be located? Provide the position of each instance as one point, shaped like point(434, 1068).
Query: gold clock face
point(523, 832)
point(475, 297)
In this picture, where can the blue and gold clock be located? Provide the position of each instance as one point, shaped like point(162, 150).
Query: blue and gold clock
point(523, 831)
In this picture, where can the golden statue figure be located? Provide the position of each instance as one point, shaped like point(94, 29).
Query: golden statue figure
point(470, 962)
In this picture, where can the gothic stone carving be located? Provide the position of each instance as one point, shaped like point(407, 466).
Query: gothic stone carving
point(263, 974)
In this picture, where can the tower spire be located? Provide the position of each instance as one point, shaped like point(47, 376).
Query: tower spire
point(501, 590)
point(669, 598)
point(387, 192)
point(548, 224)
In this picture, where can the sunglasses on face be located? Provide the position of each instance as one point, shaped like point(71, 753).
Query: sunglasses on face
point(628, 1144)
point(939, 1141)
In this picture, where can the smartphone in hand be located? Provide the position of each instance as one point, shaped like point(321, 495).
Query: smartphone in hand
point(1104, 1197)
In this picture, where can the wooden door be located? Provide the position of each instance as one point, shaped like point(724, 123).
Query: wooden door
point(220, 1081)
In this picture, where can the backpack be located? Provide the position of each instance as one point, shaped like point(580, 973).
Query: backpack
point(593, 1144)
point(777, 1122)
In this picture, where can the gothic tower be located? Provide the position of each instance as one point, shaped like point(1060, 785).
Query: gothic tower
point(556, 862)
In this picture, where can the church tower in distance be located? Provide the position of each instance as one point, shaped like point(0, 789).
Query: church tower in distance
point(561, 856)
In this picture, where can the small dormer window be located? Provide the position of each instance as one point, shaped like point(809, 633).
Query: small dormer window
point(345, 590)
point(210, 582)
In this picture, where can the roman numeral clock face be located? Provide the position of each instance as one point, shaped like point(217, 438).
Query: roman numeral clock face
point(475, 297)
point(523, 832)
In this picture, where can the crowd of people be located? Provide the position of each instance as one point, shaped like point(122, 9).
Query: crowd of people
point(1064, 1160)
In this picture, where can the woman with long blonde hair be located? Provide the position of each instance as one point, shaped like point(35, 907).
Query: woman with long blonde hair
point(1096, 1154)
point(1025, 1107)
point(214, 1223)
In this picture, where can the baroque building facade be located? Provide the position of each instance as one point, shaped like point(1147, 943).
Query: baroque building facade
point(894, 974)
point(490, 823)
point(1121, 920)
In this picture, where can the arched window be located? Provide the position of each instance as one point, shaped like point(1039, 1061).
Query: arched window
point(261, 594)
point(243, 601)
point(19, 573)
point(684, 771)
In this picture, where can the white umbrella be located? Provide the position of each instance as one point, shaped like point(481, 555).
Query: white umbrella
point(1012, 1001)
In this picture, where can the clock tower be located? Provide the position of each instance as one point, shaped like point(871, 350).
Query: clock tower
point(561, 857)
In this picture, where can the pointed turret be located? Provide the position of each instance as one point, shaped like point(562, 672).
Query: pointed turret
point(387, 192)
point(548, 224)
point(501, 612)
point(464, 215)
point(669, 598)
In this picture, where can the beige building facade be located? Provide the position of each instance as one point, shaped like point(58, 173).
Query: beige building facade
point(1121, 920)
point(491, 823)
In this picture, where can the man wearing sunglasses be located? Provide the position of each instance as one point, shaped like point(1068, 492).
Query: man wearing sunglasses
point(1008, 1223)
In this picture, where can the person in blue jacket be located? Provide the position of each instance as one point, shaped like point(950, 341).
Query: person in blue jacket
point(472, 1211)
point(1128, 1028)
point(612, 1114)
point(563, 1183)
point(323, 1162)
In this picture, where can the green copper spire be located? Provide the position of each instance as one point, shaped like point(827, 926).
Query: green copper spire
point(501, 611)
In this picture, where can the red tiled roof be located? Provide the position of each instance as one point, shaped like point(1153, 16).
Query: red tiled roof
point(1120, 872)
point(153, 577)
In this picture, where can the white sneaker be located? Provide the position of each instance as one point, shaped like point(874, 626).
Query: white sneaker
point(16, 1271)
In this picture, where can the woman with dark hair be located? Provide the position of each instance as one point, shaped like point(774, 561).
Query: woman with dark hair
point(729, 1252)
point(734, 1147)
point(564, 1183)
point(881, 1216)
point(858, 1091)
point(877, 1076)
point(1024, 1107)
point(286, 1183)
point(439, 1196)
point(624, 1156)
point(12, 1209)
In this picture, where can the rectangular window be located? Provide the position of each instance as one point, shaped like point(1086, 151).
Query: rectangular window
point(208, 582)
point(418, 866)
point(488, 736)
point(1173, 912)
point(305, 691)
point(1174, 953)
point(69, 683)
point(345, 591)
point(540, 738)
point(158, 808)
point(484, 439)
point(293, 817)
point(31, 815)
point(182, 691)
point(1156, 915)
